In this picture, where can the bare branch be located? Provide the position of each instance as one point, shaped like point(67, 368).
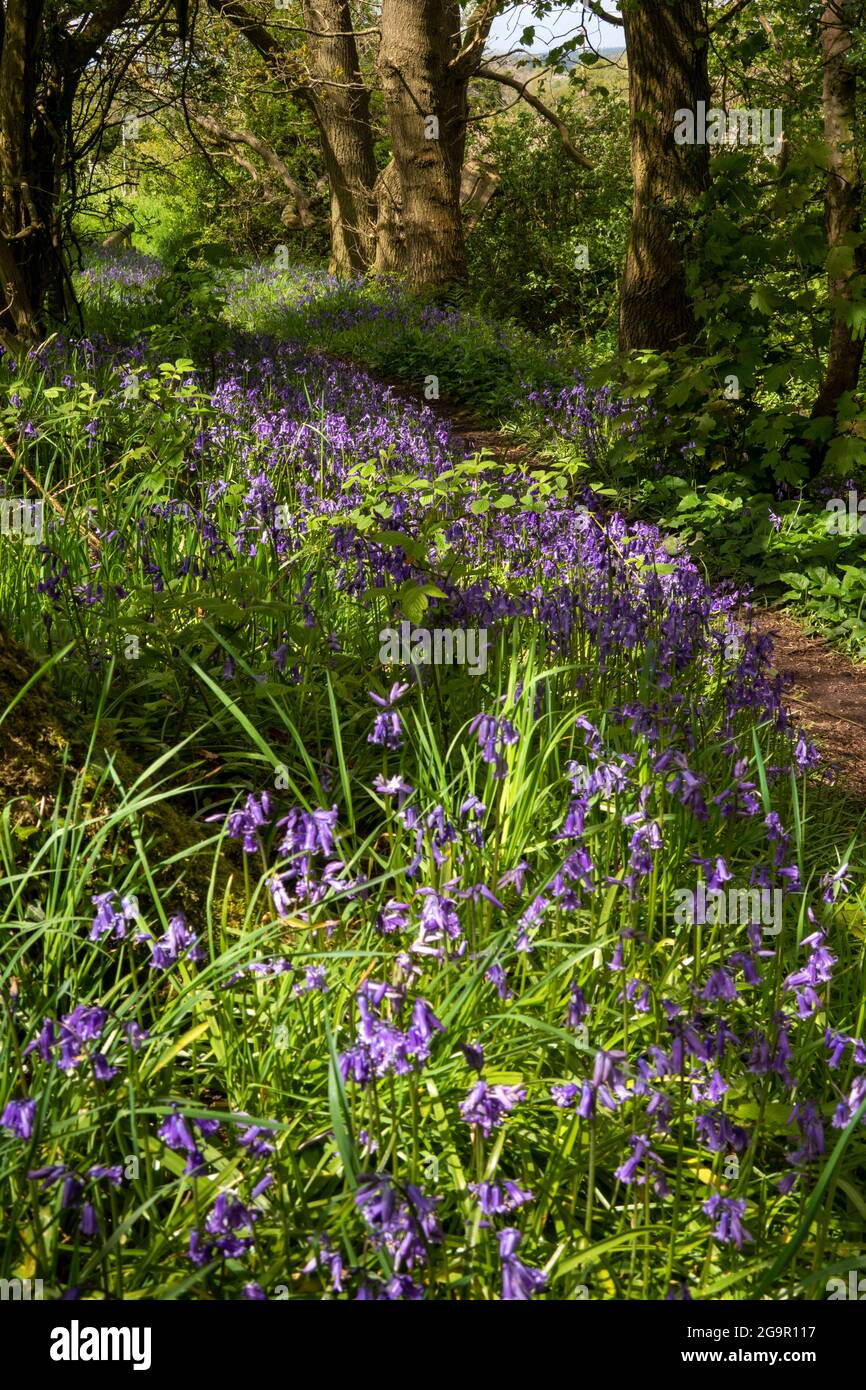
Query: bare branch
point(223, 135)
point(324, 33)
point(99, 26)
point(601, 13)
point(574, 154)
point(240, 18)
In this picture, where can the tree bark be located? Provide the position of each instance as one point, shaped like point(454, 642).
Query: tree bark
point(41, 63)
point(25, 244)
point(425, 88)
point(339, 102)
point(341, 106)
point(121, 236)
point(666, 46)
point(843, 198)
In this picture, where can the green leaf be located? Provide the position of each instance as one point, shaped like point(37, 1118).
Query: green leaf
point(338, 1108)
point(412, 599)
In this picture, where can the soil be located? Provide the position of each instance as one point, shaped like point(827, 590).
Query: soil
point(460, 419)
point(827, 693)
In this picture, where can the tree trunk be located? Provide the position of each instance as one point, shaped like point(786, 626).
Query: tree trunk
point(339, 101)
point(390, 254)
point(666, 48)
point(420, 226)
point(25, 236)
point(41, 62)
point(842, 199)
point(341, 106)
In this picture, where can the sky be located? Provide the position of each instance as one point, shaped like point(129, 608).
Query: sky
point(507, 28)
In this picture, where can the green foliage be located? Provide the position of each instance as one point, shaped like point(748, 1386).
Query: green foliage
point(523, 252)
point(476, 361)
point(211, 715)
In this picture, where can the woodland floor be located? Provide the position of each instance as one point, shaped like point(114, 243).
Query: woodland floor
point(827, 690)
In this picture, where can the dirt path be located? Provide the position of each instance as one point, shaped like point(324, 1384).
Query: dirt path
point(459, 418)
point(828, 693)
point(827, 690)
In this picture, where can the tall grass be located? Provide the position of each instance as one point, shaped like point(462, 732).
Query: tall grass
point(417, 1014)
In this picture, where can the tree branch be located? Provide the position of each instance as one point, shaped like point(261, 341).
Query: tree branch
point(325, 33)
point(727, 14)
point(477, 30)
point(602, 13)
point(92, 35)
point(574, 154)
point(266, 153)
point(240, 18)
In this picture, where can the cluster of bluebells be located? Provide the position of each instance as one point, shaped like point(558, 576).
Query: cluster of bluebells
point(494, 734)
point(19, 1117)
point(72, 1040)
point(387, 731)
point(487, 1106)
point(178, 942)
point(313, 870)
point(400, 1220)
point(67, 1043)
point(184, 1136)
point(112, 922)
point(605, 598)
point(113, 275)
point(246, 823)
point(519, 1281)
point(308, 868)
point(78, 1191)
point(227, 1234)
point(381, 1047)
point(576, 576)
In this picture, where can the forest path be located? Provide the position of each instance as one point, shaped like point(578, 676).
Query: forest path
point(826, 691)
point(827, 694)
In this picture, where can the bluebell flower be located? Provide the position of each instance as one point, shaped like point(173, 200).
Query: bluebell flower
point(18, 1117)
point(110, 919)
point(487, 1106)
point(728, 1212)
point(496, 1198)
point(519, 1281)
